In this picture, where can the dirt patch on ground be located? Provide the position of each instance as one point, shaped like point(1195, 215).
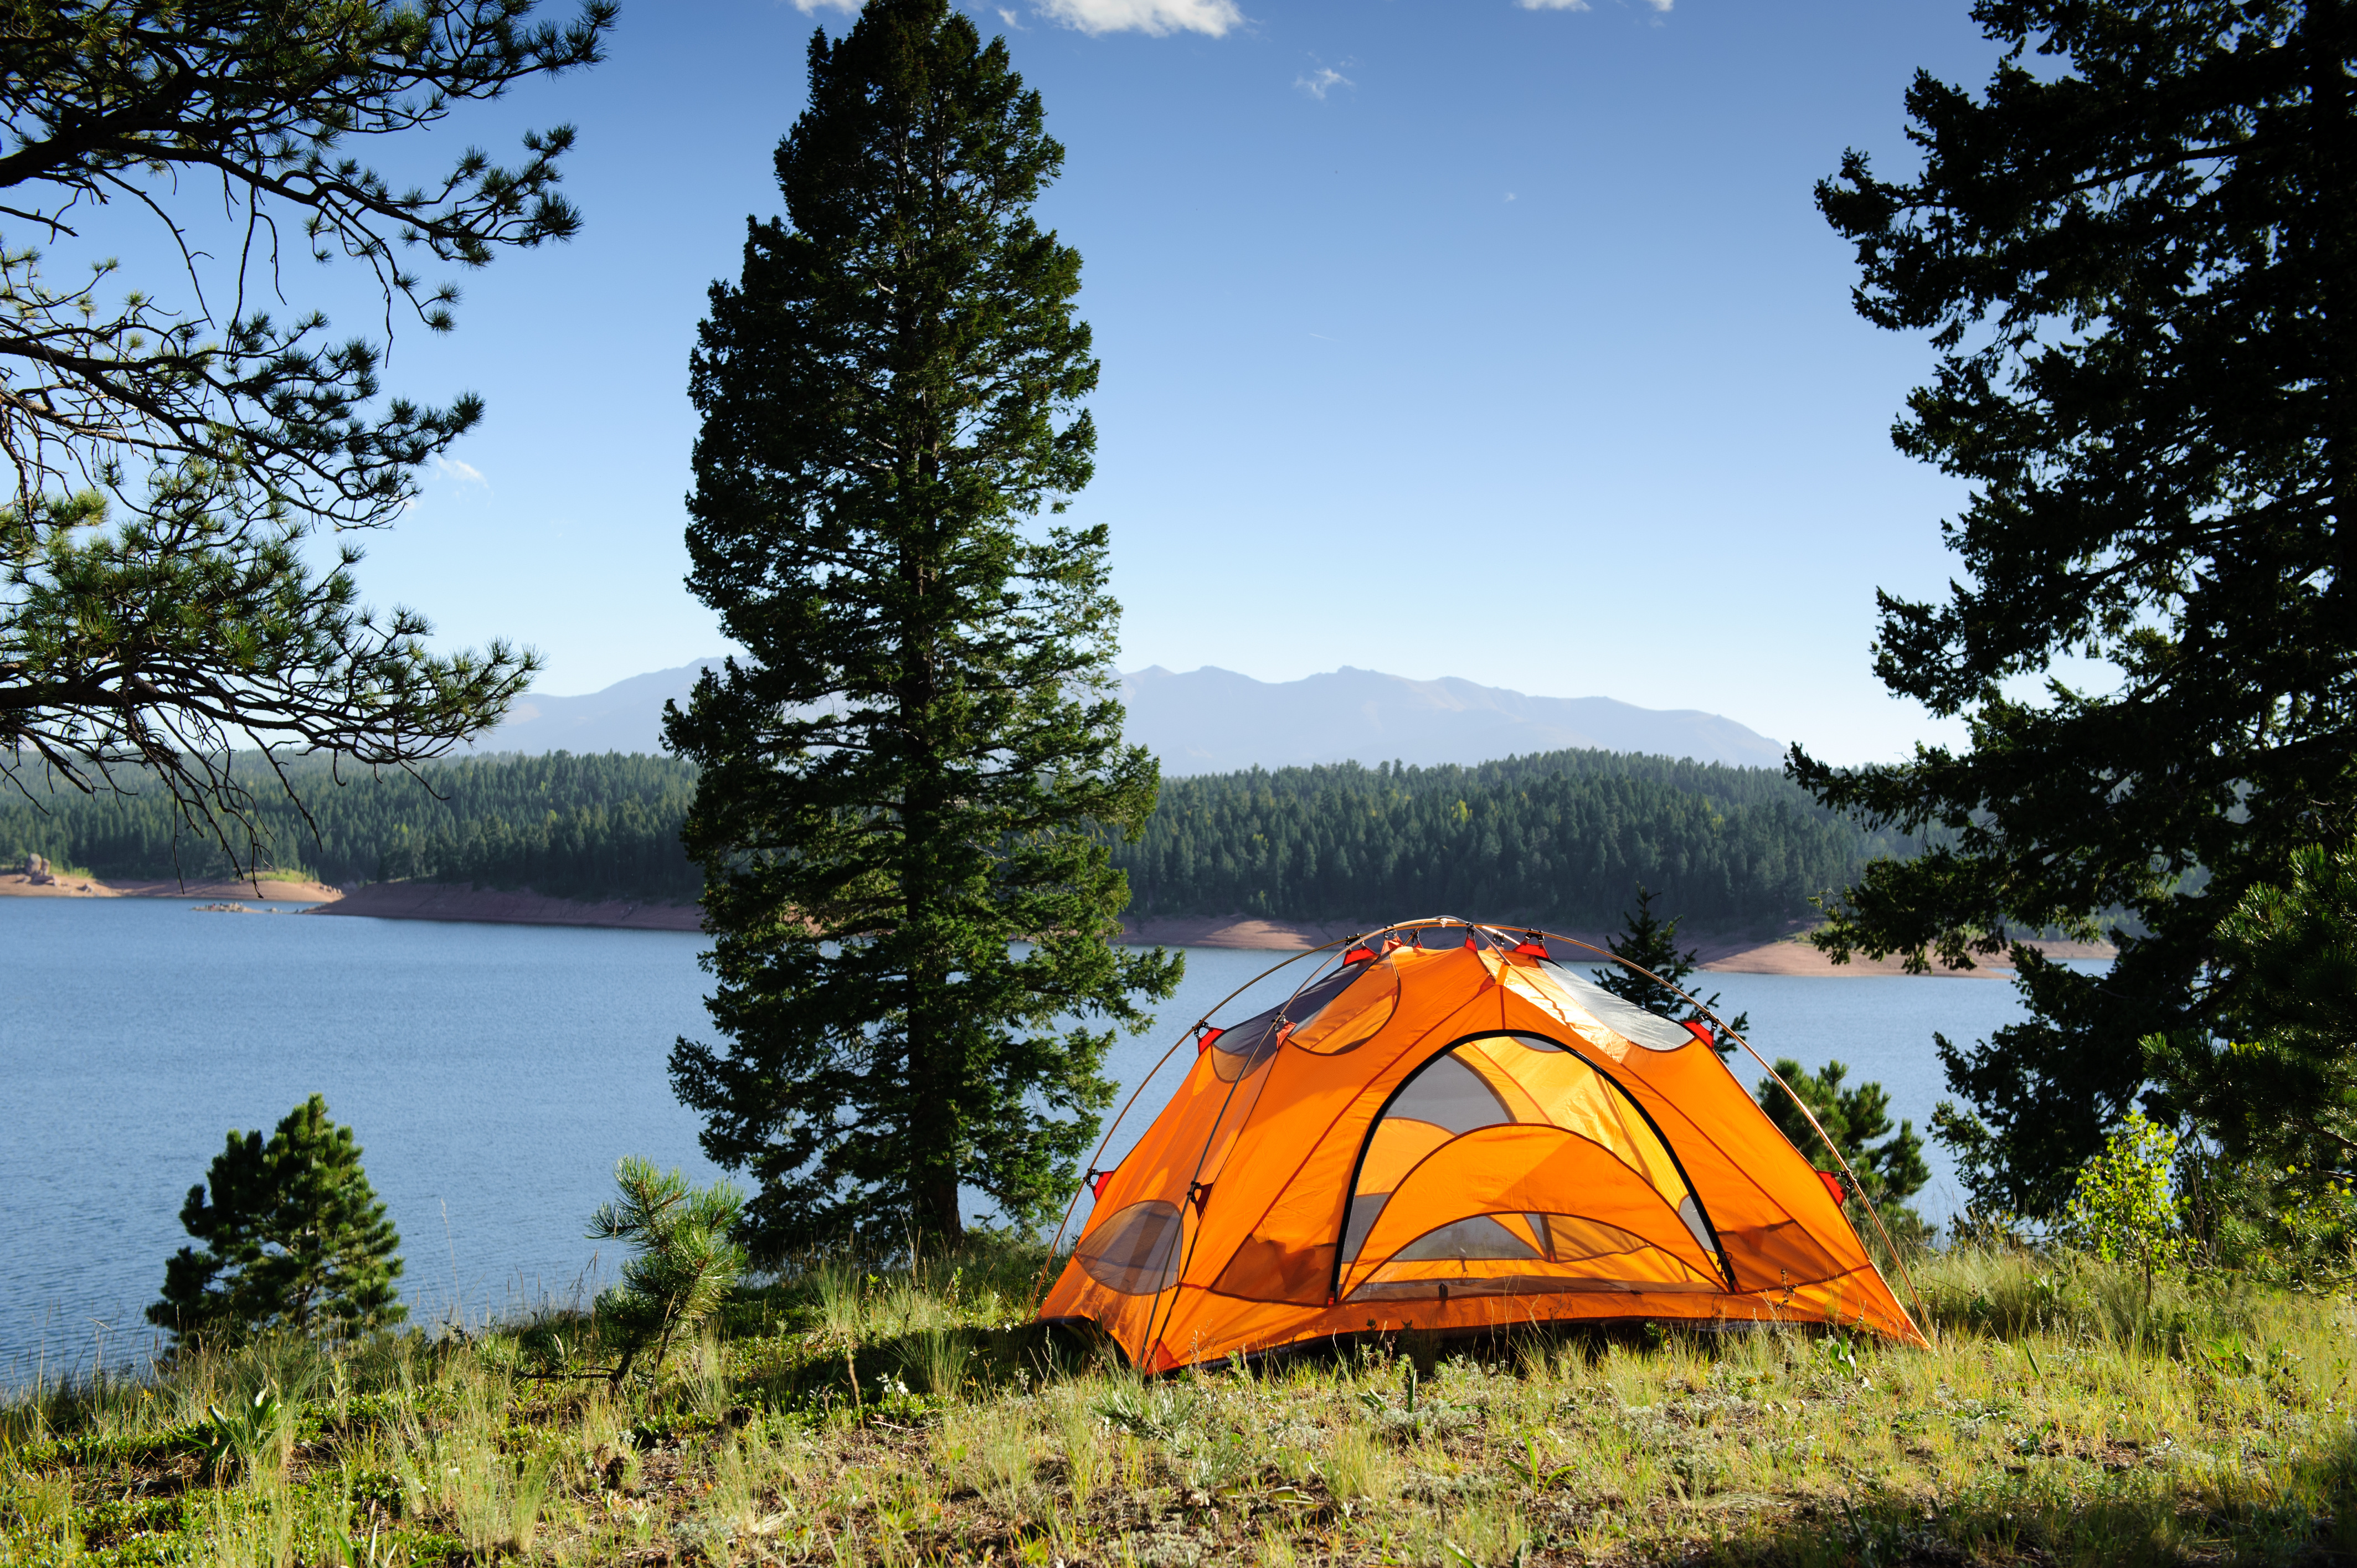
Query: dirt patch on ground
point(16, 884)
point(457, 901)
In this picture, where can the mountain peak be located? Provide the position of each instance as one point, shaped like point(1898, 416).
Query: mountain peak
point(1216, 721)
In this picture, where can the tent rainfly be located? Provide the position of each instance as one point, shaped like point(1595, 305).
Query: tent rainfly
point(1451, 1131)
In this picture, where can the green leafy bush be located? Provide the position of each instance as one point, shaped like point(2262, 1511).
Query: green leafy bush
point(2123, 1207)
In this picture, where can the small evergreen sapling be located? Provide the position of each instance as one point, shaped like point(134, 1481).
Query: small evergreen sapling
point(1650, 944)
point(682, 1262)
point(293, 1236)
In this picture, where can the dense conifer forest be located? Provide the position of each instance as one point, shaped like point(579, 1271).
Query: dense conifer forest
point(1563, 838)
point(576, 827)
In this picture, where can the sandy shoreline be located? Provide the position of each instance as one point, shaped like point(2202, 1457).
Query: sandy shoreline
point(1790, 954)
point(270, 890)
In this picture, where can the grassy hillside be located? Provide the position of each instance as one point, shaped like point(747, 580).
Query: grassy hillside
point(2061, 1419)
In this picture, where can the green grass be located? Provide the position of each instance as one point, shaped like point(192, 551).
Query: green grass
point(858, 1414)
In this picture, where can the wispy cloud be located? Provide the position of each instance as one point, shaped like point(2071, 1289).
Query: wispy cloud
point(1323, 81)
point(1159, 17)
point(810, 8)
point(464, 473)
point(1526, 5)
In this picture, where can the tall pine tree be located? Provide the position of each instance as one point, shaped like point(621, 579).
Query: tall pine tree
point(2136, 256)
point(918, 767)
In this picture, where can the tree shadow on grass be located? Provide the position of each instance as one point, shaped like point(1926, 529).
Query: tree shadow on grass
point(2301, 1508)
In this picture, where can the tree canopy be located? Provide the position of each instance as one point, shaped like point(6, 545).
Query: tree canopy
point(916, 768)
point(172, 440)
point(2132, 254)
point(1559, 839)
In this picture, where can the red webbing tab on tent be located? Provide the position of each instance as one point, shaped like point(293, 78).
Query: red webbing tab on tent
point(1700, 1031)
point(1098, 1181)
point(1531, 947)
point(1205, 1043)
point(1469, 941)
point(1360, 955)
point(1833, 1188)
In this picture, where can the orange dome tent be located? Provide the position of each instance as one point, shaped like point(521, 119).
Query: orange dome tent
point(1451, 1131)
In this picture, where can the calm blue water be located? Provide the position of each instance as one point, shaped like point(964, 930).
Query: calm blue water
point(494, 1074)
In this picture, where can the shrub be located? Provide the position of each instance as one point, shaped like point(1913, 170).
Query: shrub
point(2122, 1208)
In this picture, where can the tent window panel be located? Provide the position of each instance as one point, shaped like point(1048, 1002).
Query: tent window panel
point(1136, 1251)
point(1449, 1094)
point(1365, 1210)
point(1478, 1237)
point(1572, 1239)
point(1481, 1247)
point(1517, 1171)
point(1623, 1017)
point(1691, 1212)
point(1353, 1017)
point(1250, 1044)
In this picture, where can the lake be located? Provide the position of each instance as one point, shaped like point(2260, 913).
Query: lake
point(494, 1074)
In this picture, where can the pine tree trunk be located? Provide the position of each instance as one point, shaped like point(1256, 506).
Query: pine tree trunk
point(925, 819)
point(2332, 222)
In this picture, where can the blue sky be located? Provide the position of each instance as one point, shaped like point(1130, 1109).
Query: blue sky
point(1465, 338)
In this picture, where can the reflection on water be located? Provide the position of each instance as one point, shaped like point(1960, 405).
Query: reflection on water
point(494, 1074)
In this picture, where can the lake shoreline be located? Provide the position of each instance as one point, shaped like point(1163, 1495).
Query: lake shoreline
point(1790, 954)
point(268, 890)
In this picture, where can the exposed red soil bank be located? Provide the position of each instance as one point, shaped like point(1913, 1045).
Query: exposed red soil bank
point(457, 901)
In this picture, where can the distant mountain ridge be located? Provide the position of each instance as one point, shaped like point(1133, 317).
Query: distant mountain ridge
point(1216, 721)
point(626, 716)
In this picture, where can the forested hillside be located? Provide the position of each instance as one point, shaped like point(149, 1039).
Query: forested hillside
point(576, 827)
point(1563, 838)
